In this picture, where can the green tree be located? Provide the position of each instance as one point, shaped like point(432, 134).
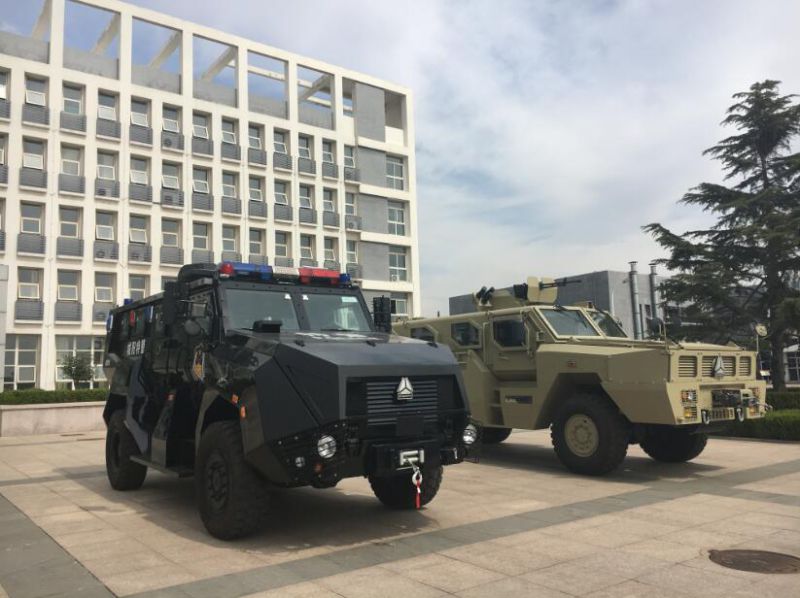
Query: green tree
point(77, 368)
point(738, 271)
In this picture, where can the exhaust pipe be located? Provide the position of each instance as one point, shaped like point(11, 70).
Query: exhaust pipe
point(637, 314)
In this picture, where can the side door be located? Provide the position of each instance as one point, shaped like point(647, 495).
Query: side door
point(510, 347)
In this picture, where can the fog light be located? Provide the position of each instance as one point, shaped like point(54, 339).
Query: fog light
point(326, 446)
point(690, 412)
point(299, 462)
point(470, 434)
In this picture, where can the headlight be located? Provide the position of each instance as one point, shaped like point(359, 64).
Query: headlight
point(470, 434)
point(326, 446)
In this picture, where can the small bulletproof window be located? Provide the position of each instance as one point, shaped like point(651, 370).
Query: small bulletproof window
point(569, 322)
point(509, 333)
point(465, 334)
point(422, 334)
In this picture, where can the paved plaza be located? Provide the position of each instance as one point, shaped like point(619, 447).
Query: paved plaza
point(515, 524)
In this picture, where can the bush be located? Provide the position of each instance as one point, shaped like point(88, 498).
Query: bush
point(776, 425)
point(787, 399)
point(37, 396)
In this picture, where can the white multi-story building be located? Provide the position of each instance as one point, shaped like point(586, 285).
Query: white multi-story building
point(132, 143)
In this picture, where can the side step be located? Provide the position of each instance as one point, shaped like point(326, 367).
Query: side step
point(180, 473)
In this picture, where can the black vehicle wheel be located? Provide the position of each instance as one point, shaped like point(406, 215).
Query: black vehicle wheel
point(123, 473)
point(672, 445)
point(233, 499)
point(397, 491)
point(590, 435)
point(495, 435)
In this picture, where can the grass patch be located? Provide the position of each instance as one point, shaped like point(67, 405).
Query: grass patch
point(36, 396)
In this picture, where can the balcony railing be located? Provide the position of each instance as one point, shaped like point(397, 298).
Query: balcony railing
point(351, 174)
point(3, 174)
point(231, 205)
point(307, 215)
point(140, 253)
point(68, 311)
point(231, 256)
point(171, 141)
point(143, 135)
point(69, 247)
point(330, 218)
point(106, 188)
point(70, 183)
point(282, 161)
point(100, 311)
point(73, 122)
point(29, 243)
point(140, 192)
point(257, 209)
point(172, 255)
point(33, 177)
point(38, 115)
point(283, 212)
point(171, 198)
point(308, 263)
point(202, 201)
point(286, 262)
point(352, 222)
point(256, 156)
point(202, 256)
point(5, 109)
point(106, 250)
point(2, 240)
point(29, 310)
point(202, 146)
point(330, 170)
point(109, 128)
point(229, 151)
point(331, 265)
point(306, 165)
point(258, 259)
point(354, 270)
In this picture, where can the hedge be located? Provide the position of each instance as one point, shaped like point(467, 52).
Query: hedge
point(775, 425)
point(787, 399)
point(36, 396)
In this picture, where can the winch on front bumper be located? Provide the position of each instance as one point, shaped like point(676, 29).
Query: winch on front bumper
point(729, 404)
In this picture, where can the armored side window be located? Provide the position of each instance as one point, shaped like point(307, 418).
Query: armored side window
point(509, 333)
point(465, 334)
point(422, 334)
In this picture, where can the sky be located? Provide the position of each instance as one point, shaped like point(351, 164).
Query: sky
point(548, 133)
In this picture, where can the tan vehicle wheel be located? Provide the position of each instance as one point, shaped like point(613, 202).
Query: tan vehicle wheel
point(590, 435)
point(672, 445)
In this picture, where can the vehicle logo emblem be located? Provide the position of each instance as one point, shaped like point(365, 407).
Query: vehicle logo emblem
point(719, 369)
point(405, 392)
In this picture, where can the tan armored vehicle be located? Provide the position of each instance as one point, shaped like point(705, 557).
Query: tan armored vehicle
point(529, 363)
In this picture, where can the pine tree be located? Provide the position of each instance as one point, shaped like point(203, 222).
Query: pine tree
point(739, 271)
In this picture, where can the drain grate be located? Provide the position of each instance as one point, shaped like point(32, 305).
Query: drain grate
point(756, 561)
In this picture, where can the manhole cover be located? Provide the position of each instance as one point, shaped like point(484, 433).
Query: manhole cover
point(756, 561)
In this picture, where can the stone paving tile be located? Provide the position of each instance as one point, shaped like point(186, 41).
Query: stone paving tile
point(453, 575)
point(635, 589)
point(502, 559)
point(573, 578)
point(366, 583)
point(301, 590)
point(663, 550)
point(511, 587)
point(694, 581)
point(140, 580)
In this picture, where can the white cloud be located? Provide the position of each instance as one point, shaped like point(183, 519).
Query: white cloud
point(548, 133)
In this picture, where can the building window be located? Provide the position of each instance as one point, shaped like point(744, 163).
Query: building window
point(170, 233)
point(349, 156)
point(139, 113)
point(281, 195)
point(107, 106)
point(350, 204)
point(106, 166)
point(398, 270)
point(228, 131)
point(279, 142)
point(229, 184)
point(329, 200)
point(399, 302)
point(256, 242)
point(89, 347)
point(171, 119)
point(70, 161)
point(2, 149)
point(200, 126)
point(170, 176)
point(140, 171)
point(35, 91)
point(305, 198)
point(138, 230)
point(200, 237)
point(256, 188)
point(33, 154)
point(31, 216)
point(69, 225)
point(395, 172)
point(137, 286)
point(327, 152)
point(397, 218)
point(254, 137)
point(68, 283)
point(200, 180)
point(352, 252)
point(73, 99)
point(104, 287)
point(104, 229)
point(330, 249)
point(281, 244)
point(306, 247)
point(29, 286)
point(3, 85)
point(304, 146)
point(230, 238)
point(22, 361)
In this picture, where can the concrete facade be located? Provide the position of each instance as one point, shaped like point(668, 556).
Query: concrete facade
point(126, 155)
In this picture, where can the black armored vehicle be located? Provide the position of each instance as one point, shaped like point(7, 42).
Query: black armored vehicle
point(250, 377)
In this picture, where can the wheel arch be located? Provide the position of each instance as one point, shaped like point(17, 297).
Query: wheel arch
point(213, 408)
point(565, 386)
point(114, 402)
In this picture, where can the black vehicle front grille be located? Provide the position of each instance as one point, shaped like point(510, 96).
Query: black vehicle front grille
point(383, 406)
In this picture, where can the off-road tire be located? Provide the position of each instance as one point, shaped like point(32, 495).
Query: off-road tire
point(397, 492)
point(232, 498)
point(123, 474)
point(672, 445)
point(613, 434)
point(495, 435)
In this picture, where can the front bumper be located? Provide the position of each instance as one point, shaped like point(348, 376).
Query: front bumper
point(721, 405)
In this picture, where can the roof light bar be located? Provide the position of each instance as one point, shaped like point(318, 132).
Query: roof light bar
point(309, 275)
point(284, 274)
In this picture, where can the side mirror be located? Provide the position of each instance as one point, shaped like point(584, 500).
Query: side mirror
point(169, 309)
point(382, 314)
point(656, 327)
point(267, 326)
